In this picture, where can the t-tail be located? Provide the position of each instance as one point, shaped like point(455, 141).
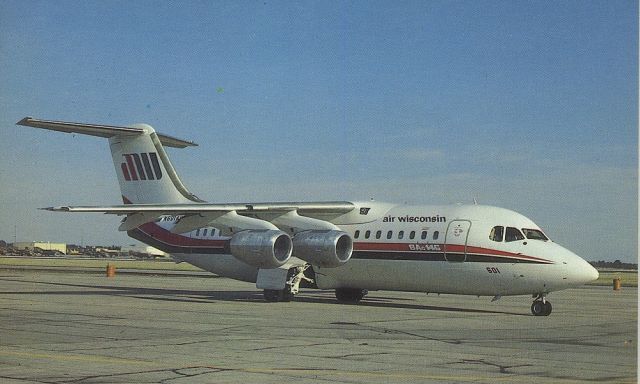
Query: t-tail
point(142, 166)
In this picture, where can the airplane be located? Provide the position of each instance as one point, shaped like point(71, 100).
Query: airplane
point(352, 247)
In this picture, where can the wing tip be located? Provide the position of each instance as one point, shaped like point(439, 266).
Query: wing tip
point(175, 142)
point(25, 121)
point(55, 209)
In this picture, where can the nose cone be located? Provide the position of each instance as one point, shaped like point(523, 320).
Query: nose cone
point(582, 272)
point(592, 273)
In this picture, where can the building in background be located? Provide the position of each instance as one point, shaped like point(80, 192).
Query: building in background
point(48, 247)
point(141, 249)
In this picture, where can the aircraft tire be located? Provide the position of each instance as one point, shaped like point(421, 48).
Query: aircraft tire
point(538, 308)
point(349, 295)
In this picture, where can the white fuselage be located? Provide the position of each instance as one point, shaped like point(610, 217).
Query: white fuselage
point(439, 249)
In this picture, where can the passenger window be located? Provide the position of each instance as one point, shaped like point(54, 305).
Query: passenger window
point(436, 234)
point(198, 232)
point(356, 235)
point(389, 235)
point(513, 234)
point(400, 235)
point(205, 232)
point(412, 235)
point(378, 234)
point(497, 233)
point(367, 234)
point(424, 235)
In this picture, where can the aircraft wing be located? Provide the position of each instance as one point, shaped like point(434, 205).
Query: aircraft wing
point(177, 209)
point(237, 216)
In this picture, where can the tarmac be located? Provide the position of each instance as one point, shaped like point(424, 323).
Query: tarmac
point(72, 327)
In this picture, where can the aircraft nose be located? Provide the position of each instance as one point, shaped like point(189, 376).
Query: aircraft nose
point(584, 272)
point(577, 270)
point(592, 273)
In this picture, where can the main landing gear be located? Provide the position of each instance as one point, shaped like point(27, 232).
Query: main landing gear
point(295, 277)
point(541, 306)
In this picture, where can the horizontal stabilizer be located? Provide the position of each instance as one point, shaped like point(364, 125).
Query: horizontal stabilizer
point(106, 131)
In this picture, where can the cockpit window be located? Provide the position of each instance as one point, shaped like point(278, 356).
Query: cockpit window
point(513, 234)
point(497, 233)
point(534, 234)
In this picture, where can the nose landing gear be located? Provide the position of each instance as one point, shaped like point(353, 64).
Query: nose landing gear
point(541, 306)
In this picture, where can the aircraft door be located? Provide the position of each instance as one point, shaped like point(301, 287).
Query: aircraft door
point(455, 249)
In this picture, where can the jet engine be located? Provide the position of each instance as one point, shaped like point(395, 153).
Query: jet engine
point(261, 248)
point(327, 249)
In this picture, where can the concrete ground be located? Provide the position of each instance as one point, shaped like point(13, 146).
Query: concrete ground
point(58, 327)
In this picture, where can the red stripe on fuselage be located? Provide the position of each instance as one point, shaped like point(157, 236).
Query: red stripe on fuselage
point(399, 247)
point(163, 235)
point(449, 248)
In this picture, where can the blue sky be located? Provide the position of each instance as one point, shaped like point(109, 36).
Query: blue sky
point(531, 106)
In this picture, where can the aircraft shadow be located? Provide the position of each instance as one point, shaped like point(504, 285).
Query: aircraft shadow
point(388, 302)
point(253, 296)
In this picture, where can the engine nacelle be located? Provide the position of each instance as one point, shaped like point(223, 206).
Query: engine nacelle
point(262, 248)
point(327, 249)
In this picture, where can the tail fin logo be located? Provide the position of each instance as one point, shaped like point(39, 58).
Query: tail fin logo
point(141, 166)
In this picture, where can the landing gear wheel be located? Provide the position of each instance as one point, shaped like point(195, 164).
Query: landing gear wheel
point(350, 295)
point(537, 308)
point(540, 308)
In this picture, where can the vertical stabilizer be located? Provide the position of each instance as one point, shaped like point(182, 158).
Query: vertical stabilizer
point(144, 171)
